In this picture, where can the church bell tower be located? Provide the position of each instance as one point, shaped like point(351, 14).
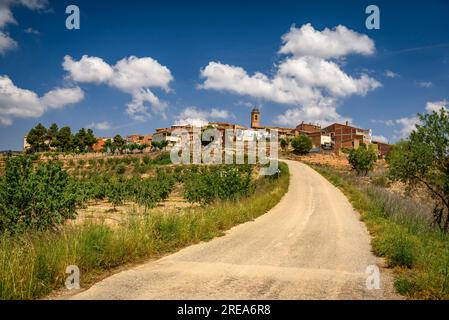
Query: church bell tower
point(255, 118)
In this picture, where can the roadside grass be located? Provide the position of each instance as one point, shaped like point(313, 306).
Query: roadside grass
point(33, 264)
point(403, 234)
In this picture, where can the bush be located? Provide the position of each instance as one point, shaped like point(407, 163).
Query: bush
point(154, 190)
point(34, 198)
point(34, 264)
point(207, 184)
point(302, 144)
point(362, 159)
point(116, 193)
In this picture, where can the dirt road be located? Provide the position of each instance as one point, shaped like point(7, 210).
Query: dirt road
point(310, 246)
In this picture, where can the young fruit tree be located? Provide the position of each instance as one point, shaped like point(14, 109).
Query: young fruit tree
point(362, 159)
point(301, 144)
point(423, 160)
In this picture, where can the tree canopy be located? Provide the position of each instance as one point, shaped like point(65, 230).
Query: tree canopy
point(41, 139)
point(302, 144)
point(423, 159)
point(363, 158)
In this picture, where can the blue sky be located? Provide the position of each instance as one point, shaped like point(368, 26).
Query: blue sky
point(197, 61)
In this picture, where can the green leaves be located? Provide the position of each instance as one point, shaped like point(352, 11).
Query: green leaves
point(424, 159)
point(41, 139)
point(206, 184)
point(34, 198)
point(362, 159)
point(302, 144)
point(37, 137)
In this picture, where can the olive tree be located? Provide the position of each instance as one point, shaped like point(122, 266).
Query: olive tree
point(423, 160)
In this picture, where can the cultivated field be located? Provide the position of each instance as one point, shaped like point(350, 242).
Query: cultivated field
point(100, 214)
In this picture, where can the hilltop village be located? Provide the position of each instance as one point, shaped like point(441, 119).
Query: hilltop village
point(333, 137)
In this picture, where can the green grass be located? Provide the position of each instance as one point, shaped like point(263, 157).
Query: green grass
point(34, 264)
point(403, 234)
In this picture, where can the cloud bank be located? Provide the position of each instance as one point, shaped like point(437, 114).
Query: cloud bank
point(16, 102)
point(408, 124)
point(308, 76)
point(132, 75)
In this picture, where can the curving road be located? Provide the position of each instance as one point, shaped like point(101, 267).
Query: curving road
point(309, 246)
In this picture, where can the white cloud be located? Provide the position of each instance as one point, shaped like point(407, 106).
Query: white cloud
point(137, 109)
point(388, 123)
point(380, 139)
point(7, 17)
point(425, 84)
point(16, 102)
point(132, 75)
point(88, 69)
point(100, 126)
point(220, 114)
point(314, 72)
point(6, 43)
point(391, 74)
point(338, 42)
point(437, 105)
point(304, 79)
point(60, 97)
point(195, 117)
point(323, 115)
point(408, 124)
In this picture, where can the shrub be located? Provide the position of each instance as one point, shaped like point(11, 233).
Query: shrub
point(207, 184)
point(362, 159)
point(34, 198)
point(302, 144)
point(116, 193)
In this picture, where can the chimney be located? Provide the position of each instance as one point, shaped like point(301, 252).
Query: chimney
point(347, 123)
